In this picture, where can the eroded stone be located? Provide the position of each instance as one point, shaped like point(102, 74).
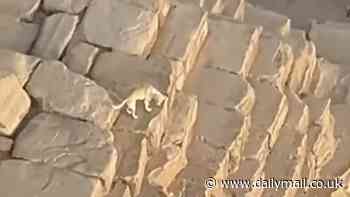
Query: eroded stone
point(229, 46)
point(5, 144)
point(135, 34)
point(331, 41)
point(44, 181)
point(270, 20)
point(14, 103)
point(15, 35)
point(68, 144)
point(70, 6)
point(55, 34)
point(80, 58)
point(181, 39)
point(19, 9)
point(71, 94)
point(18, 64)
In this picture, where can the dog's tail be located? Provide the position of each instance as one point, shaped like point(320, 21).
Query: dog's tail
point(116, 107)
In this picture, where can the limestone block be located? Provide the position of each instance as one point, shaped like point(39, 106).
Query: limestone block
point(42, 180)
point(80, 58)
point(68, 144)
point(14, 102)
point(15, 35)
point(134, 32)
point(59, 90)
point(18, 64)
point(55, 34)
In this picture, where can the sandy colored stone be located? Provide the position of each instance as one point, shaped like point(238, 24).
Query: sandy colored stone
point(5, 144)
point(270, 20)
point(338, 162)
point(178, 136)
point(18, 64)
point(15, 35)
point(19, 9)
point(288, 155)
point(55, 34)
point(204, 83)
point(181, 39)
point(254, 144)
point(120, 73)
point(66, 143)
point(134, 35)
point(331, 41)
point(304, 58)
point(71, 94)
point(230, 8)
point(230, 46)
point(14, 103)
point(273, 62)
point(40, 180)
point(70, 6)
point(80, 58)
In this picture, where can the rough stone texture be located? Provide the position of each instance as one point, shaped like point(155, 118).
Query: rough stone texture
point(14, 103)
point(336, 165)
point(15, 35)
point(120, 73)
point(68, 144)
point(252, 148)
point(273, 62)
point(331, 41)
point(18, 64)
point(80, 58)
point(304, 60)
point(5, 144)
point(270, 20)
point(70, 6)
point(181, 39)
point(19, 9)
point(288, 155)
point(247, 97)
point(42, 180)
point(229, 46)
point(54, 36)
point(177, 139)
point(71, 94)
point(135, 34)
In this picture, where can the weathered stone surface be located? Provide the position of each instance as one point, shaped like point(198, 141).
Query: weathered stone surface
point(181, 39)
point(120, 73)
point(5, 144)
point(40, 180)
point(70, 6)
point(80, 58)
point(229, 46)
point(14, 103)
point(69, 144)
point(273, 62)
point(178, 137)
point(338, 161)
point(19, 9)
point(205, 80)
point(55, 34)
point(18, 64)
point(270, 20)
point(15, 35)
point(71, 94)
point(288, 155)
point(231, 8)
point(252, 147)
point(304, 60)
point(135, 34)
point(331, 41)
